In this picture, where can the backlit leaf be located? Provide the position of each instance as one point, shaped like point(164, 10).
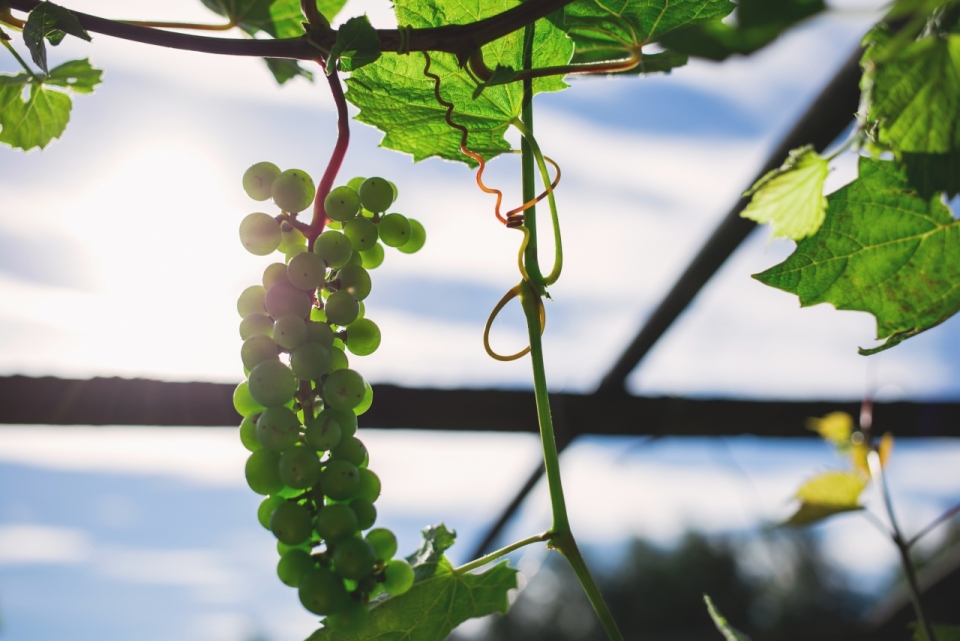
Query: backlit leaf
point(49, 22)
point(790, 198)
point(284, 69)
point(827, 494)
point(835, 427)
point(34, 122)
point(278, 18)
point(357, 45)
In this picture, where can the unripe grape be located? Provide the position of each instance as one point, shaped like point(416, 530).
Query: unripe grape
point(290, 238)
point(343, 389)
point(291, 523)
point(323, 432)
point(267, 506)
point(341, 308)
point(253, 324)
point(310, 361)
point(306, 271)
point(340, 480)
point(278, 428)
point(248, 434)
point(283, 548)
point(362, 234)
point(369, 487)
point(350, 449)
point(351, 619)
point(376, 194)
point(355, 280)
point(363, 337)
point(338, 360)
point(293, 565)
point(356, 259)
point(353, 558)
point(272, 383)
point(334, 248)
point(366, 402)
point(244, 403)
point(418, 237)
point(283, 299)
point(258, 179)
point(336, 522)
point(299, 467)
point(293, 190)
point(322, 592)
point(260, 233)
point(384, 543)
point(257, 349)
point(342, 203)
point(398, 577)
point(263, 473)
point(365, 511)
point(289, 331)
point(251, 301)
point(319, 332)
point(394, 230)
point(373, 257)
point(293, 252)
point(354, 183)
point(346, 420)
point(273, 274)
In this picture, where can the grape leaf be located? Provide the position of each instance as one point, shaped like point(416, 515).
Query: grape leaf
point(357, 45)
point(612, 29)
point(827, 494)
point(882, 249)
point(729, 632)
point(394, 95)
point(284, 69)
point(835, 427)
point(50, 22)
point(77, 75)
point(330, 8)
point(790, 198)
point(932, 173)
point(942, 632)
point(913, 93)
point(439, 600)
point(278, 18)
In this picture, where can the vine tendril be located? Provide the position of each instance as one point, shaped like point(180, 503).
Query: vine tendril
point(509, 296)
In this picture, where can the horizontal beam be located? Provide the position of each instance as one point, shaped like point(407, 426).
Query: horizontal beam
point(117, 401)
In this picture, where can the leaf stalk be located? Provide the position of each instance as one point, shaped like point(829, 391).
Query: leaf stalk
point(493, 556)
point(22, 62)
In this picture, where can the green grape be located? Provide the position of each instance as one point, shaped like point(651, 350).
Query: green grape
point(360, 314)
point(341, 308)
point(334, 248)
point(248, 434)
point(353, 558)
point(340, 480)
point(322, 592)
point(319, 333)
point(336, 522)
point(310, 361)
point(366, 213)
point(397, 577)
point(289, 332)
point(343, 389)
point(267, 506)
point(369, 486)
point(273, 274)
point(342, 203)
point(366, 402)
point(293, 252)
point(393, 187)
point(272, 383)
point(351, 619)
point(283, 548)
point(258, 179)
point(355, 182)
point(293, 190)
point(373, 257)
point(283, 299)
point(384, 543)
point(260, 234)
point(356, 259)
point(376, 194)
point(333, 224)
point(394, 230)
point(244, 403)
point(278, 428)
point(254, 324)
point(293, 565)
point(263, 473)
point(290, 238)
point(355, 280)
point(346, 420)
point(338, 360)
point(299, 467)
point(350, 449)
point(366, 513)
point(362, 234)
point(418, 237)
point(306, 271)
point(258, 349)
point(291, 523)
point(323, 433)
point(251, 301)
point(363, 337)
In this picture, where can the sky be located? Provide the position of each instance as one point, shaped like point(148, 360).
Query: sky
point(119, 257)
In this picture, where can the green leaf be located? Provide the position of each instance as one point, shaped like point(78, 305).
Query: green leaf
point(882, 249)
point(942, 632)
point(284, 69)
point(76, 75)
point(330, 8)
point(933, 173)
point(827, 494)
point(357, 45)
point(50, 22)
point(278, 18)
point(729, 632)
point(613, 29)
point(439, 600)
point(790, 198)
point(914, 94)
point(25, 124)
point(394, 95)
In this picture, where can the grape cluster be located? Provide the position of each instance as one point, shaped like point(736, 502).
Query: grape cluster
point(301, 400)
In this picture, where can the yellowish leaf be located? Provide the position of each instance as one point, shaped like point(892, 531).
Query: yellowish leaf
point(835, 427)
point(790, 198)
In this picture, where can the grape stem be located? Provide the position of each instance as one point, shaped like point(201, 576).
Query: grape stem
point(493, 556)
point(336, 158)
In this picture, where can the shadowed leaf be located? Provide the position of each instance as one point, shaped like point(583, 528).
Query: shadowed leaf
point(49, 22)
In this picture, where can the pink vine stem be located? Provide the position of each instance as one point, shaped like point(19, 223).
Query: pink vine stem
point(336, 158)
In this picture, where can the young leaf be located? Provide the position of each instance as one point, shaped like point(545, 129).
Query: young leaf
point(729, 632)
point(25, 124)
point(49, 22)
point(284, 69)
point(394, 95)
point(882, 249)
point(439, 600)
point(791, 198)
point(357, 45)
point(278, 18)
point(827, 494)
point(835, 427)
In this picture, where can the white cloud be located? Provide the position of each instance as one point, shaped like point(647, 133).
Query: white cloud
point(24, 544)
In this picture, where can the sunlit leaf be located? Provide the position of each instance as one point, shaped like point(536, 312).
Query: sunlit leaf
point(827, 494)
point(790, 198)
point(278, 18)
point(835, 427)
